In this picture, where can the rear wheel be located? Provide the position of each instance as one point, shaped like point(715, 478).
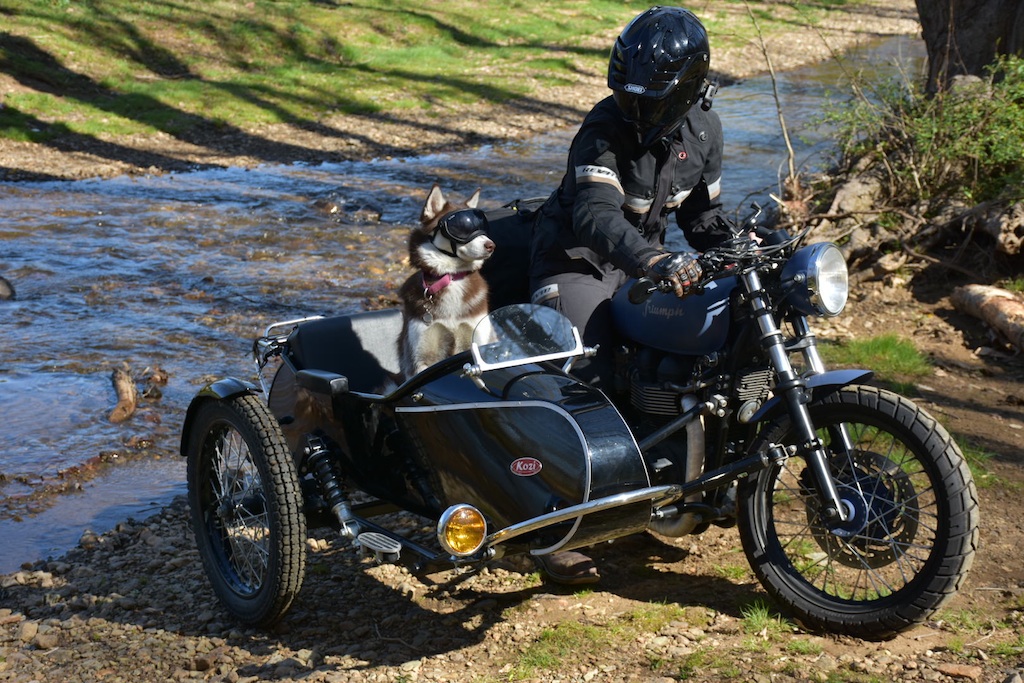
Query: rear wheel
point(246, 508)
point(914, 526)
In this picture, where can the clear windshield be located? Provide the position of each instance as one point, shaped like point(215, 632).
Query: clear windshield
point(524, 333)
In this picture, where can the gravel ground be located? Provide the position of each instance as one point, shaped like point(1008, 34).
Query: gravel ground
point(132, 606)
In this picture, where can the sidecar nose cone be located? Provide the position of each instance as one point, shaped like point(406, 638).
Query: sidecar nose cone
point(461, 530)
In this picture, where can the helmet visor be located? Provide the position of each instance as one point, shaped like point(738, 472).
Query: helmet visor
point(659, 117)
point(460, 227)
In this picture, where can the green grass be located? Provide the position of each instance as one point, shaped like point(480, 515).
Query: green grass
point(1014, 285)
point(568, 643)
point(1011, 648)
point(759, 620)
point(556, 646)
point(691, 663)
point(964, 621)
point(123, 67)
point(655, 616)
point(733, 572)
point(978, 460)
point(892, 358)
point(804, 647)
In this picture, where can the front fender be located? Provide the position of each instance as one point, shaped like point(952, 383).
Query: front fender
point(819, 386)
point(221, 390)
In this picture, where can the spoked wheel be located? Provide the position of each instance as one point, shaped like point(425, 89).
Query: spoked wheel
point(913, 526)
point(246, 508)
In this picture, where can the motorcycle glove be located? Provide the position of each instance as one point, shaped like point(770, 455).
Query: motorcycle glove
point(680, 270)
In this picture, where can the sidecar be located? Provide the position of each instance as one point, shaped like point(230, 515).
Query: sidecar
point(498, 444)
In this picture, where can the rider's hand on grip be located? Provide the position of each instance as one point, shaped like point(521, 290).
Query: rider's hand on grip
point(680, 271)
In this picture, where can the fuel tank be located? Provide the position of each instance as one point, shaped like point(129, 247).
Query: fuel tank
point(695, 325)
point(533, 442)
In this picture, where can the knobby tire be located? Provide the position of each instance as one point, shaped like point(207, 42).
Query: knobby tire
point(913, 488)
point(246, 508)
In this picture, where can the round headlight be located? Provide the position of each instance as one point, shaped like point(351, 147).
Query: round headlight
point(461, 530)
point(815, 280)
point(832, 286)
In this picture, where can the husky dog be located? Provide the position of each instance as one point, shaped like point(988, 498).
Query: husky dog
point(445, 299)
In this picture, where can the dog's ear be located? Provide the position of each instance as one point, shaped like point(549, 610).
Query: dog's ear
point(472, 201)
point(434, 205)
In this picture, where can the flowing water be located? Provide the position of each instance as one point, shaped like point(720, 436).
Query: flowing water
point(180, 272)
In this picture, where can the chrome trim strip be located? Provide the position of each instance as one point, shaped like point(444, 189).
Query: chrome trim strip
point(661, 495)
point(290, 323)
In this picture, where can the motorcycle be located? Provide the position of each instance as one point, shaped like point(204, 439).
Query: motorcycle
point(855, 508)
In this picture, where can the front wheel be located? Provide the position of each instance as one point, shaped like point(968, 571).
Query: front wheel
point(914, 526)
point(246, 508)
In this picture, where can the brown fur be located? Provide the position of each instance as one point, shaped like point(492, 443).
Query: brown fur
point(441, 324)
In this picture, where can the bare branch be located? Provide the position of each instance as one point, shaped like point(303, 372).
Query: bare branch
point(792, 179)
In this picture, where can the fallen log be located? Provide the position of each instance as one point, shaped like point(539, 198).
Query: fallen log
point(999, 309)
point(127, 396)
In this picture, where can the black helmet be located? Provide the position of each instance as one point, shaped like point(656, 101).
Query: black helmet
point(658, 69)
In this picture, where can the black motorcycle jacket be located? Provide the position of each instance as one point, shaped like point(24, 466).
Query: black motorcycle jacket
point(612, 207)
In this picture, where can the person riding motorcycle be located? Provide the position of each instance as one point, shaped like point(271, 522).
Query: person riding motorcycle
point(641, 155)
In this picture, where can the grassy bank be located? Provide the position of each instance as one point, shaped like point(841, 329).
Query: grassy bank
point(109, 68)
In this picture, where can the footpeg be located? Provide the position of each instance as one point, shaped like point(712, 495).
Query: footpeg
point(384, 548)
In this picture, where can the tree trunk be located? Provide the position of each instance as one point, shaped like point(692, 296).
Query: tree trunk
point(965, 36)
point(1001, 310)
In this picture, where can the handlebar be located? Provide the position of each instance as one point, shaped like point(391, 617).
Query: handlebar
point(712, 267)
point(642, 290)
point(752, 243)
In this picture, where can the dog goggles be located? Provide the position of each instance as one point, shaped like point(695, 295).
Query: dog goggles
point(460, 227)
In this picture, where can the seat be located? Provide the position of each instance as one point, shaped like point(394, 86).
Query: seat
point(363, 347)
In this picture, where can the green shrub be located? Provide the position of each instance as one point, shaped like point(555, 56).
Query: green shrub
point(965, 143)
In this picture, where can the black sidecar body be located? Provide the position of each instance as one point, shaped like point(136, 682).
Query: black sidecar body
point(519, 442)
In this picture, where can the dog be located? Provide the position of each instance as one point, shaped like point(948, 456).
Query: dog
point(445, 299)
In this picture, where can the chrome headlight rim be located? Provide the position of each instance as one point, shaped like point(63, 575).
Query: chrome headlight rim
point(445, 522)
point(816, 280)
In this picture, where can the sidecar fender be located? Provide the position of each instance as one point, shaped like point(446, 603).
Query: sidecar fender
point(819, 386)
point(221, 390)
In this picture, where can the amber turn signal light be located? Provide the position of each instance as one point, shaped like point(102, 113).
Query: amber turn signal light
point(461, 530)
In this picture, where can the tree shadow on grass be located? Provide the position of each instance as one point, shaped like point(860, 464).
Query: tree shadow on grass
point(36, 69)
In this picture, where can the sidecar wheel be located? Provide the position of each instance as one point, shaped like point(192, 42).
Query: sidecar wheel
point(246, 509)
point(914, 531)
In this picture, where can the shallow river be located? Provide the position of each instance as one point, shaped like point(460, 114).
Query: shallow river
point(180, 272)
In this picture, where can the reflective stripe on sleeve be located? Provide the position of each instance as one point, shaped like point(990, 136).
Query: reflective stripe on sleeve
point(676, 200)
point(637, 204)
point(715, 188)
point(598, 174)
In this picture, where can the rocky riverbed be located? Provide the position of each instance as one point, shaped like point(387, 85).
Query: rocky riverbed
point(133, 606)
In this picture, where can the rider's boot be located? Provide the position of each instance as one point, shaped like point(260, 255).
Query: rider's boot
point(569, 568)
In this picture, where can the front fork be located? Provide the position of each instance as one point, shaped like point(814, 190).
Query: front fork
point(815, 366)
point(792, 388)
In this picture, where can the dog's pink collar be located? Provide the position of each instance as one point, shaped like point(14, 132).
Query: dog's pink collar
point(433, 287)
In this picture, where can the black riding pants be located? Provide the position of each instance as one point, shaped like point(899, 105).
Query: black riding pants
point(585, 299)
